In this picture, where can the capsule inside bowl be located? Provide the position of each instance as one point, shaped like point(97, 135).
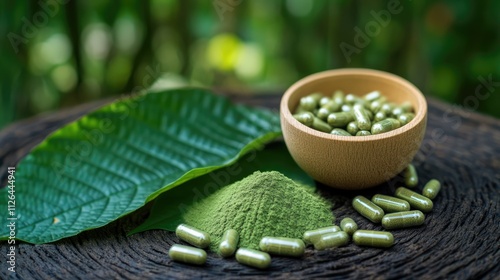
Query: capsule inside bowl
point(353, 162)
point(369, 113)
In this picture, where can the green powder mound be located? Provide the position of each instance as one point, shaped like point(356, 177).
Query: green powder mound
point(262, 204)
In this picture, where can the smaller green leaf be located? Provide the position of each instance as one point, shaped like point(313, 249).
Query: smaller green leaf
point(169, 207)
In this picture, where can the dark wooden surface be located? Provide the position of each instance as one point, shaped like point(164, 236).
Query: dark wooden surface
point(460, 238)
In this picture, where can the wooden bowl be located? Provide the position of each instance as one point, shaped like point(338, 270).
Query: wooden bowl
point(353, 162)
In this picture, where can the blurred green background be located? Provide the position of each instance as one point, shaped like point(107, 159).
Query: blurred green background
point(60, 53)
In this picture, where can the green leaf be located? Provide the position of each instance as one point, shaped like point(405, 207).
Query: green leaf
point(114, 160)
point(168, 208)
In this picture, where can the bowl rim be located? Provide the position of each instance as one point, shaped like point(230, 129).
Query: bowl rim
point(420, 115)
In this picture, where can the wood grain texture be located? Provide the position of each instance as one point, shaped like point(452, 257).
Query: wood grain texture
point(460, 238)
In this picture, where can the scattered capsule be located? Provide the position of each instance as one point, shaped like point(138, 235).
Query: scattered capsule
point(403, 219)
point(411, 176)
point(390, 204)
point(373, 238)
point(346, 108)
point(385, 126)
point(379, 116)
point(320, 125)
point(352, 128)
point(431, 189)
point(363, 133)
point(306, 118)
point(340, 119)
point(311, 236)
point(416, 200)
point(340, 132)
point(323, 113)
point(338, 97)
point(283, 246)
point(187, 254)
point(331, 240)
point(361, 117)
point(192, 236)
point(253, 258)
point(311, 101)
point(368, 209)
point(348, 225)
point(374, 95)
point(229, 243)
point(406, 118)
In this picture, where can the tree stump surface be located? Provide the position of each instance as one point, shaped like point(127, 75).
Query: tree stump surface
point(460, 238)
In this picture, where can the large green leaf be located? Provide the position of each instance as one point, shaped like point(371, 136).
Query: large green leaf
point(168, 208)
point(114, 160)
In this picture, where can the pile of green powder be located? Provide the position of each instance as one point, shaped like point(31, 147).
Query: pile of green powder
point(262, 204)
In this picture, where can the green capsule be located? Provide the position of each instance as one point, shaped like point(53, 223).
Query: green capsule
point(361, 117)
point(340, 132)
point(323, 100)
point(376, 105)
point(406, 118)
point(253, 258)
point(348, 225)
point(300, 110)
point(192, 236)
point(332, 106)
point(346, 108)
point(364, 104)
point(431, 189)
point(331, 240)
point(411, 176)
point(350, 99)
point(374, 95)
point(416, 200)
point(352, 128)
point(363, 133)
point(340, 119)
point(323, 113)
point(338, 97)
point(187, 254)
point(407, 107)
point(370, 114)
point(311, 236)
point(373, 238)
point(387, 108)
point(390, 204)
point(291, 247)
point(368, 209)
point(229, 243)
point(385, 126)
point(397, 111)
point(306, 118)
point(403, 219)
point(311, 101)
point(379, 116)
point(320, 125)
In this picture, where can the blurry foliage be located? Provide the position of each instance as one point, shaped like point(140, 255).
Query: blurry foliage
point(64, 54)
